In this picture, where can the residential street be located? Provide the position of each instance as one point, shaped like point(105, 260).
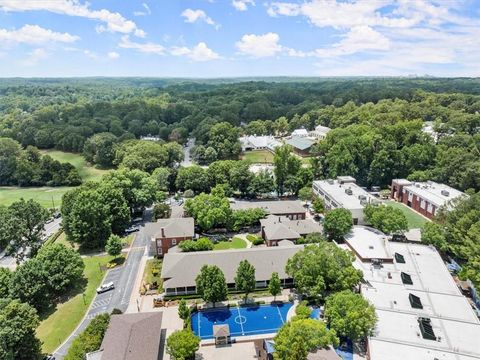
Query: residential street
point(187, 160)
point(124, 279)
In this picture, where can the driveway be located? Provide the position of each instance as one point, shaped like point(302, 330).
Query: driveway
point(124, 279)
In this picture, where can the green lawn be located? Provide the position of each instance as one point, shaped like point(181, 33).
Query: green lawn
point(57, 326)
point(152, 271)
point(86, 171)
point(414, 220)
point(259, 156)
point(235, 243)
point(43, 195)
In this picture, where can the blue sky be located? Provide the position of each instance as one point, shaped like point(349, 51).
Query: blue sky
point(224, 38)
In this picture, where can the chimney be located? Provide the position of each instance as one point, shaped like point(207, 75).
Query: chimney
point(163, 232)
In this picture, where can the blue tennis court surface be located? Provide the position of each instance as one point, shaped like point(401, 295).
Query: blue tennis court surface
point(252, 320)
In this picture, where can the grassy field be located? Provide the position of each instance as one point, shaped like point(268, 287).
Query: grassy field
point(414, 220)
point(47, 196)
point(235, 243)
point(259, 156)
point(87, 172)
point(58, 325)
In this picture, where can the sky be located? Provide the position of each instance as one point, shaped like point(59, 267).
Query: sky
point(238, 38)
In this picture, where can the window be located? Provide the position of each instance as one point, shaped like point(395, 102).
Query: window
point(426, 328)
point(415, 301)
point(174, 242)
point(399, 258)
point(410, 196)
point(430, 208)
point(160, 251)
point(406, 279)
point(422, 204)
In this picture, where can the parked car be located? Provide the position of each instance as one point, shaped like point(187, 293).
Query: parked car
point(105, 287)
point(57, 215)
point(132, 229)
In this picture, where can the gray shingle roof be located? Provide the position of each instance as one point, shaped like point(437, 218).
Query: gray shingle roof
point(181, 269)
point(176, 227)
point(279, 228)
point(275, 207)
point(133, 337)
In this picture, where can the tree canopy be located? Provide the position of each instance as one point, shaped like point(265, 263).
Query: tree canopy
point(387, 219)
point(211, 284)
point(337, 224)
point(322, 267)
point(350, 315)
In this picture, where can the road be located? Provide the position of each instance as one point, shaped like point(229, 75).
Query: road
point(50, 229)
point(124, 280)
point(187, 160)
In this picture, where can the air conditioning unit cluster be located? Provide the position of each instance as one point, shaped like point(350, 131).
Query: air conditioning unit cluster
point(348, 191)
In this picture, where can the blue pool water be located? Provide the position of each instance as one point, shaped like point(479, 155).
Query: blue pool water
point(252, 320)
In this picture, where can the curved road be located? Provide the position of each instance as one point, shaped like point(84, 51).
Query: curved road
point(123, 278)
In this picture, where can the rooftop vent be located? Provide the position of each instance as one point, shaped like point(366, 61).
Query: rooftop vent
point(426, 328)
point(399, 258)
point(445, 193)
point(330, 181)
point(362, 197)
point(415, 301)
point(406, 279)
point(348, 191)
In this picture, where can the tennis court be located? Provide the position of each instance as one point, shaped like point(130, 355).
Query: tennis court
point(251, 320)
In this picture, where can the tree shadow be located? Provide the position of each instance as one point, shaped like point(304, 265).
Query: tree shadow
point(78, 288)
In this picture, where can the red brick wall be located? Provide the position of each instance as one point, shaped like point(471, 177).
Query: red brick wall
point(167, 243)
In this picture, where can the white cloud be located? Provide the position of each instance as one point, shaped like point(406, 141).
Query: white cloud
point(200, 52)
point(338, 14)
point(35, 56)
point(259, 45)
point(35, 35)
point(113, 21)
point(242, 5)
point(113, 55)
point(358, 39)
point(145, 12)
point(192, 16)
point(148, 48)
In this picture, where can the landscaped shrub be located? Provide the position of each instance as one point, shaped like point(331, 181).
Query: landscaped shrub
point(90, 339)
point(202, 244)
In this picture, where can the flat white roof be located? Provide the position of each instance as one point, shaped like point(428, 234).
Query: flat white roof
point(368, 243)
point(435, 193)
point(397, 335)
point(336, 192)
point(455, 336)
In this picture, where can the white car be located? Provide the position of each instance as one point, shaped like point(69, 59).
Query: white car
point(105, 287)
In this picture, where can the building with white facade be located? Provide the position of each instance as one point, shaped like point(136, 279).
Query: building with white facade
point(253, 142)
point(343, 192)
point(421, 312)
point(319, 133)
point(302, 132)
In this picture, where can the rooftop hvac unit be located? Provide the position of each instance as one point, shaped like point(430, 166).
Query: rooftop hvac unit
point(445, 193)
point(362, 197)
point(348, 191)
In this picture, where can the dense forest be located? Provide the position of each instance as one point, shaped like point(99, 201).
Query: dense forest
point(377, 122)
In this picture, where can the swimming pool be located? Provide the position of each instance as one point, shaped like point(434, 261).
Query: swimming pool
point(251, 320)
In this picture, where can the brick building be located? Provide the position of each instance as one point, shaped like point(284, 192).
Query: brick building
point(166, 233)
point(424, 197)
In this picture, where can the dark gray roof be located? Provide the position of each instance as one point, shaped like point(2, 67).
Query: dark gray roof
point(133, 337)
point(275, 207)
point(176, 227)
point(181, 269)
